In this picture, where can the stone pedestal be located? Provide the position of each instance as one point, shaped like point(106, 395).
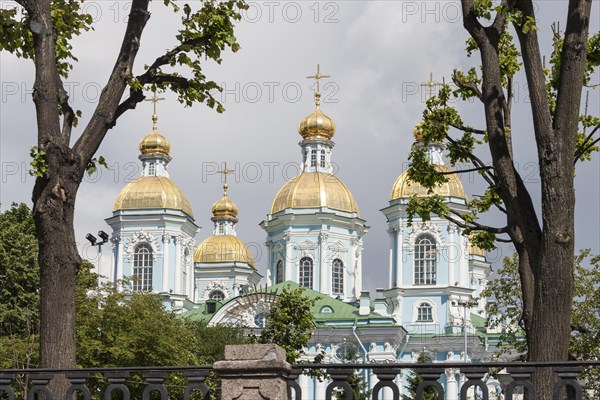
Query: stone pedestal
point(253, 372)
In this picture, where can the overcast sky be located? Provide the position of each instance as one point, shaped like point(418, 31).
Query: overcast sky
point(378, 52)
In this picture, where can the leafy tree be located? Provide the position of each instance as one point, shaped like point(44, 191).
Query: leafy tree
point(290, 322)
point(114, 329)
point(414, 379)
point(356, 381)
point(19, 277)
point(42, 31)
point(504, 313)
point(543, 234)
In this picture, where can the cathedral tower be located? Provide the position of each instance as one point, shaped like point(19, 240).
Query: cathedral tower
point(224, 266)
point(153, 226)
point(433, 271)
point(314, 230)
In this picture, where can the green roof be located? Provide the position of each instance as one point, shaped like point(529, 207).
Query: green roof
point(341, 311)
point(327, 310)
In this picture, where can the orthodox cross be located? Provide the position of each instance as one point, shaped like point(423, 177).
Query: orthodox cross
point(154, 100)
point(225, 172)
point(430, 86)
point(318, 78)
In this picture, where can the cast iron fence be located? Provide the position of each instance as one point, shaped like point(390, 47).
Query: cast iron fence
point(202, 383)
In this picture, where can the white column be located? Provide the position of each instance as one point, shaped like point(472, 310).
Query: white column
point(120, 255)
point(165, 263)
point(463, 380)
point(323, 263)
point(373, 380)
point(453, 244)
point(269, 262)
point(399, 256)
point(304, 383)
point(359, 268)
point(465, 261)
point(391, 262)
point(350, 291)
point(288, 260)
point(451, 385)
point(177, 277)
point(320, 389)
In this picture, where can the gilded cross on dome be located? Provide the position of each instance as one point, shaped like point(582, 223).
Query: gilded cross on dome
point(430, 86)
point(154, 100)
point(225, 172)
point(318, 76)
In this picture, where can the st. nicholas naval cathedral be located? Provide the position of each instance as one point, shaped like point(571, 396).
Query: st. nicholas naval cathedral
point(314, 238)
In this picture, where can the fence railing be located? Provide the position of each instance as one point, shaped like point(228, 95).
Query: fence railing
point(450, 381)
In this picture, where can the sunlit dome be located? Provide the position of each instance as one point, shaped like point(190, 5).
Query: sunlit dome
point(315, 190)
point(223, 248)
point(405, 188)
point(152, 192)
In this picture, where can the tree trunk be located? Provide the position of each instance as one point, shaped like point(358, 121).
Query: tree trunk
point(59, 261)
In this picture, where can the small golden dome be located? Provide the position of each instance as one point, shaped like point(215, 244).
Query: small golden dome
point(418, 132)
point(154, 143)
point(404, 187)
point(315, 190)
point(316, 126)
point(225, 208)
point(223, 248)
point(476, 250)
point(153, 192)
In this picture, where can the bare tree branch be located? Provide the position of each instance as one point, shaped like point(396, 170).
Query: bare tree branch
point(462, 171)
point(467, 129)
point(585, 149)
point(111, 94)
point(584, 146)
point(474, 226)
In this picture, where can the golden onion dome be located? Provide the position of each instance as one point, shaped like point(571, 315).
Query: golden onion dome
point(315, 190)
point(154, 143)
point(404, 187)
point(476, 250)
point(316, 126)
point(149, 192)
point(224, 208)
point(223, 248)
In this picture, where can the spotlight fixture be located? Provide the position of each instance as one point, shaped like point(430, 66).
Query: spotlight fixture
point(91, 238)
point(103, 235)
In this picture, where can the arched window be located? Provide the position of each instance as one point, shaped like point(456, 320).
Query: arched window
point(425, 260)
point(151, 169)
point(337, 277)
point(425, 313)
point(142, 268)
point(313, 158)
point(217, 295)
point(322, 158)
point(306, 272)
point(279, 272)
point(221, 228)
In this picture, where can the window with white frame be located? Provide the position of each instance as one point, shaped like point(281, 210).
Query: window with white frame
point(425, 260)
point(425, 312)
point(313, 158)
point(322, 158)
point(279, 272)
point(151, 169)
point(306, 272)
point(221, 228)
point(337, 277)
point(142, 268)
